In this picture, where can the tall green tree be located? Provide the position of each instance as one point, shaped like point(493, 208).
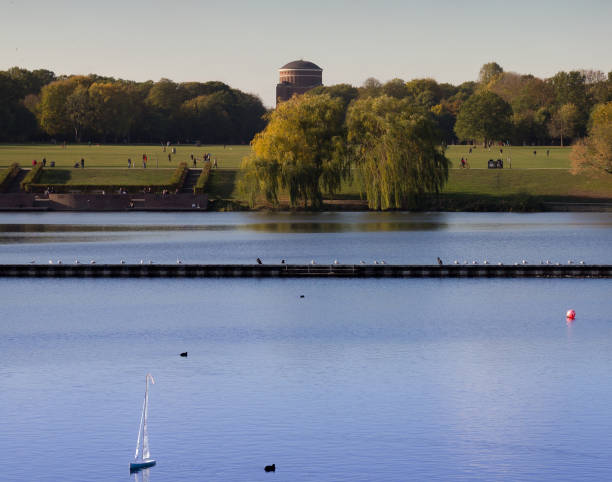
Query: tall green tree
point(397, 151)
point(78, 110)
point(489, 72)
point(485, 116)
point(302, 149)
point(54, 115)
point(565, 122)
point(112, 110)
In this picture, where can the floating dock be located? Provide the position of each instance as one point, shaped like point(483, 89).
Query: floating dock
point(302, 271)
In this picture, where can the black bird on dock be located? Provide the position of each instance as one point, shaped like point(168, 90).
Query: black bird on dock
point(259, 261)
point(440, 261)
point(184, 354)
point(270, 468)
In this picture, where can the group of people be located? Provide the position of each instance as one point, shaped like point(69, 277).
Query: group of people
point(206, 158)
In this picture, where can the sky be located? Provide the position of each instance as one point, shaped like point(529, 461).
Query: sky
point(244, 43)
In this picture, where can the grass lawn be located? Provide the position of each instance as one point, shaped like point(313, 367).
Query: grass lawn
point(110, 177)
point(546, 177)
point(229, 157)
point(557, 183)
point(101, 156)
point(521, 157)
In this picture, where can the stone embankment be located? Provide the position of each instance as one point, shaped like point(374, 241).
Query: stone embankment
point(302, 271)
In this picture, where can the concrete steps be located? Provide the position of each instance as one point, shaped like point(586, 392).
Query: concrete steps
point(191, 180)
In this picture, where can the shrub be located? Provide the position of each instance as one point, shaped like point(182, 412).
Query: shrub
point(8, 175)
point(178, 178)
point(31, 177)
point(202, 180)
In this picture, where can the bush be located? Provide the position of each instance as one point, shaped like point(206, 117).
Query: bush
point(202, 180)
point(178, 178)
point(31, 177)
point(8, 175)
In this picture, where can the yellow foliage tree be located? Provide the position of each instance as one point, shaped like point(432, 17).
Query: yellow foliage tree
point(595, 151)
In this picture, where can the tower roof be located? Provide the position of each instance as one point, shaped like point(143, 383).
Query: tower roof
point(300, 65)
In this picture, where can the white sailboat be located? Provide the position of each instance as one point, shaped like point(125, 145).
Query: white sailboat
point(142, 457)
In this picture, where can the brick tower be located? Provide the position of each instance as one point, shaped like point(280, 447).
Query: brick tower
point(296, 78)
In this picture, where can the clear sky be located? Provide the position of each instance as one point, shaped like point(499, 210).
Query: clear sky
point(243, 43)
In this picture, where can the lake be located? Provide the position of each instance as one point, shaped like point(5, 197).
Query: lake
point(359, 380)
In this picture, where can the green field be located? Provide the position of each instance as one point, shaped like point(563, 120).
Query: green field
point(109, 177)
point(229, 157)
point(520, 157)
point(101, 156)
point(540, 176)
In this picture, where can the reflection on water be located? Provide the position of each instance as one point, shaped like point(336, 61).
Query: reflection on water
point(141, 475)
point(302, 237)
point(284, 227)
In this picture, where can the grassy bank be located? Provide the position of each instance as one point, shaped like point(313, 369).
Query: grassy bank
point(533, 179)
point(100, 178)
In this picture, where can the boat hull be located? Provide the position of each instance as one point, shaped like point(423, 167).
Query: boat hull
point(142, 464)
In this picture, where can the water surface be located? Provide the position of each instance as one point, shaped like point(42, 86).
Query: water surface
point(360, 380)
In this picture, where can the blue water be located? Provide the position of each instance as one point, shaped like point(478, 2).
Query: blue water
point(300, 238)
point(360, 380)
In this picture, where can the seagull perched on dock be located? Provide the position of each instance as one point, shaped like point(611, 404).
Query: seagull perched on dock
point(150, 262)
point(50, 261)
point(76, 261)
point(336, 261)
point(122, 262)
point(178, 261)
point(581, 262)
point(312, 261)
point(362, 262)
point(524, 261)
point(455, 262)
point(485, 262)
point(142, 261)
point(92, 262)
point(474, 262)
point(33, 261)
point(375, 262)
point(570, 262)
point(59, 261)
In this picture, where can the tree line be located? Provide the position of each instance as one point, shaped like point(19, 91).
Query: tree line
point(38, 105)
point(519, 108)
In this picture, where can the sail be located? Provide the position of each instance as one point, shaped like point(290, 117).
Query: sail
point(143, 433)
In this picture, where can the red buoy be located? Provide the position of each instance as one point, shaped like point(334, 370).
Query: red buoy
point(570, 315)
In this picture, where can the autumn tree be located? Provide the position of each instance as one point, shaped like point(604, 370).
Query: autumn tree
point(595, 152)
point(397, 153)
point(302, 149)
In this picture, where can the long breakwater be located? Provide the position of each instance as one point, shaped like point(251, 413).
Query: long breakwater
point(302, 271)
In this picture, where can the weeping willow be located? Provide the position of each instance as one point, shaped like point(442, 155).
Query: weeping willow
point(397, 152)
point(302, 151)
